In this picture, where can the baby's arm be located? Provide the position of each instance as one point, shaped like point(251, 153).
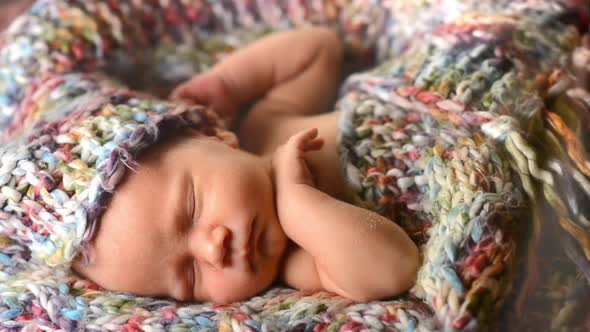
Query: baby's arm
point(357, 253)
point(299, 69)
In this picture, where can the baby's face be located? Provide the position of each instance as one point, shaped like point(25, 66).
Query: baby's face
point(196, 221)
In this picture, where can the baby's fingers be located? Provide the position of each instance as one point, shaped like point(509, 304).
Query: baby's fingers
point(309, 140)
point(306, 139)
point(290, 160)
point(313, 145)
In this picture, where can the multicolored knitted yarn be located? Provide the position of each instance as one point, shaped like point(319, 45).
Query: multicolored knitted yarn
point(443, 137)
point(416, 152)
point(470, 133)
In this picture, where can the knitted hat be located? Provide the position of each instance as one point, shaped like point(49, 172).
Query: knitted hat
point(57, 178)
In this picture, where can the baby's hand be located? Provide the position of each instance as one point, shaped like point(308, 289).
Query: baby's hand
point(209, 89)
point(289, 164)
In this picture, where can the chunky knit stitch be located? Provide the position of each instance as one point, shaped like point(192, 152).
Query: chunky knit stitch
point(416, 150)
point(465, 134)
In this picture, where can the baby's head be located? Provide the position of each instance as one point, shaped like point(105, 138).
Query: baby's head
point(196, 220)
point(138, 196)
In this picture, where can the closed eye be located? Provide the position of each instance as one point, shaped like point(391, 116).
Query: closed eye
point(191, 278)
point(192, 201)
point(192, 261)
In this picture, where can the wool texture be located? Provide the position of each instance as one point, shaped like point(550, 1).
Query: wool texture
point(469, 132)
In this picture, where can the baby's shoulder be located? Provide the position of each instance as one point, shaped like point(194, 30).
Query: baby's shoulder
point(262, 131)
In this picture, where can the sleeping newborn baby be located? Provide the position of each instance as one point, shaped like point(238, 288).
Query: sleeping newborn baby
point(201, 220)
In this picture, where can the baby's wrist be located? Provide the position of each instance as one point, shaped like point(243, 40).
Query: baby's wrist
point(291, 196)
point(288, 202)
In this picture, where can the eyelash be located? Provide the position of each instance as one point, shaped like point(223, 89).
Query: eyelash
point(192, 264)
point(194, 202)
point(192, 276)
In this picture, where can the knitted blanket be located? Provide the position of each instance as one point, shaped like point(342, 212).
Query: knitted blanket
point(469, 133)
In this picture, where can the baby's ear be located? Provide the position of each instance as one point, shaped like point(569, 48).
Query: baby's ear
point(191, 132)
point(83, 259)
point(226, 137)
point(229, 138)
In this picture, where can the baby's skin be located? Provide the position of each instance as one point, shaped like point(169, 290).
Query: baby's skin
point(201, 220)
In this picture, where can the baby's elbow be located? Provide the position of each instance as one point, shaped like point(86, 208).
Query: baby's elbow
point(402, 275)
point(401, 278)
point(409, 272)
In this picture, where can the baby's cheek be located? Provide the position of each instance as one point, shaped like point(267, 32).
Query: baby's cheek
point(253, 189)
point(237, 288)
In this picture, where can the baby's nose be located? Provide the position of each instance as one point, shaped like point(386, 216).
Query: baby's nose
point(214, 246)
